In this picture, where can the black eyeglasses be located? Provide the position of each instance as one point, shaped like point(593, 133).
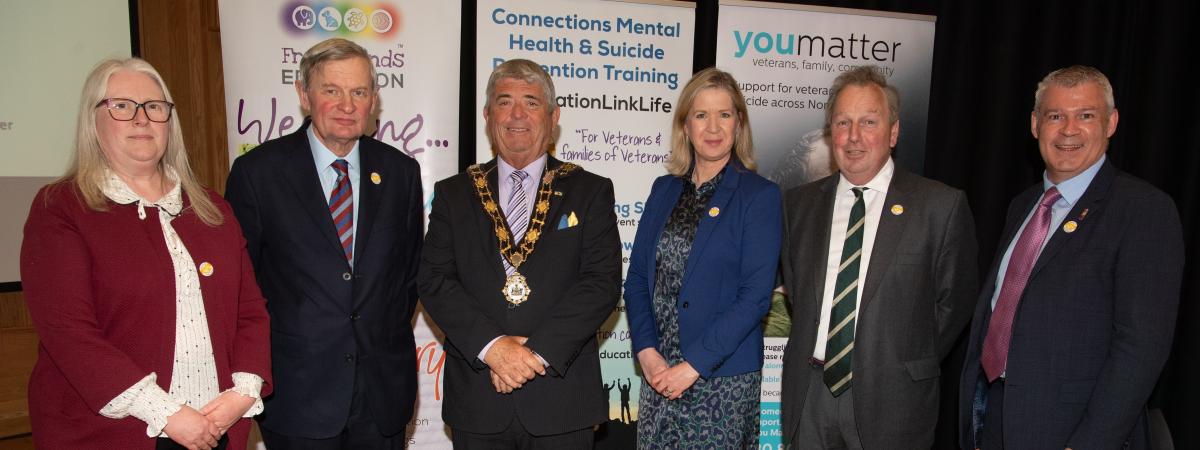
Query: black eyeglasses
point(124, 109)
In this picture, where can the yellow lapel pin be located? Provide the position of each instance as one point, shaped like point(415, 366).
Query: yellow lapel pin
point(375, 178)
point(206, 269)
point(714, 211)
point(1070, 226)
point(897, 209)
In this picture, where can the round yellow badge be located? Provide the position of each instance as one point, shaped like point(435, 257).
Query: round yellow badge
point(1070, 226)
point(712, 212)
point(206, 269)
point(897, 210)
point(375, 178)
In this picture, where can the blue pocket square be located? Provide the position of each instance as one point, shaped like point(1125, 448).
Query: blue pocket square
point(567, 221)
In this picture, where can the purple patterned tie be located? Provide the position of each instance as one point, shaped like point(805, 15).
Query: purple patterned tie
point(517, 212)
point(1024, 255)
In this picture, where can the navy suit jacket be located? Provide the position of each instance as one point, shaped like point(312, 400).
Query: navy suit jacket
point(1094, 325)
point(329, 320)
point(728, 277)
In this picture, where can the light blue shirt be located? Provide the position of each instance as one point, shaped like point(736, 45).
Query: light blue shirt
point(1071, 190)
point(323, 158)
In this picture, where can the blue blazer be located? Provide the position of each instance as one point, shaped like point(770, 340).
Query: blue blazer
point(728, 278)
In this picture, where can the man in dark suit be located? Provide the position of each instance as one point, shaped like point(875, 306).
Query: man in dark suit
point(1076, 317)
point(333, 222)
point(520, 281)
point(879, 265)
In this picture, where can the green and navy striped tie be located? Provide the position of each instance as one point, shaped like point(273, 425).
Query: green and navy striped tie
point(839, 346)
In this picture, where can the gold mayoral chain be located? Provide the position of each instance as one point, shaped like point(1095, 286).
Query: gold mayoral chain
point(516, 289)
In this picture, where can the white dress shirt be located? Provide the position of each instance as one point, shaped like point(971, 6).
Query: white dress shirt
point(873, 197)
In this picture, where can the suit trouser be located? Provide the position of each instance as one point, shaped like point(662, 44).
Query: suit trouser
point(361, 431)
point(826, 422)
point(516, 437)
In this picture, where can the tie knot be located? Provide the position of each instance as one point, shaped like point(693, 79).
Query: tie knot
point(1050, 197)
point(518, 176)
point(341, 166)
point(858, 191)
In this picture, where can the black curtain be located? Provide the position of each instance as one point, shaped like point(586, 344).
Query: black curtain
point(988, 58)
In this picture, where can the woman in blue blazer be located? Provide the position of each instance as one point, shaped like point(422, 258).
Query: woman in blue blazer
point(700, 277)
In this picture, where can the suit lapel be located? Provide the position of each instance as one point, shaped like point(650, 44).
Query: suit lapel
point(306, 185)
point(670, 197)
point(562, 186)
point(1092, 200)
point(369, 194)
point(888, 235)
point(818, 249)
point(708, 221)
point(487, 229)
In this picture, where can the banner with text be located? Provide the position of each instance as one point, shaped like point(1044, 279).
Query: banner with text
point(414, 46)
point(785, 57)
point(618, 68)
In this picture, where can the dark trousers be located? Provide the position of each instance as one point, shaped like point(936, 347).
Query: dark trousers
point(826, 422)
point(516, 437)
point(992, 436)
point(361, 432)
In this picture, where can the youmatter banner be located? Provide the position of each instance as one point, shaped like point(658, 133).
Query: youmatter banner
point(785, 57)
point(414, 46)
point(617, 68)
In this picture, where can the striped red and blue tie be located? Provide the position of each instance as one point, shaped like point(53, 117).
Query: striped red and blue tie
point(341, 206)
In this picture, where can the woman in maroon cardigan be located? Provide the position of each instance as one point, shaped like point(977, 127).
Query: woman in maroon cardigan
point(153, 331)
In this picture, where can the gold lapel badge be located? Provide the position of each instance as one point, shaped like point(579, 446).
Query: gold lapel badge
point(206, 269)
point(897, 209)
point(375, 178)
point(1070, 226)
point(714, 211)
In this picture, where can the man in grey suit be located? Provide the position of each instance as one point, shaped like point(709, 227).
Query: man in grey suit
point(879, 265)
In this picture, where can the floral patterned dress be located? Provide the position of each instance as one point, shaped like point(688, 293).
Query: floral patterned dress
point(715, 413)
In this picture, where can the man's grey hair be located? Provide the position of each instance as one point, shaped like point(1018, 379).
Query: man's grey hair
point(1069, 77)
point(527, 71)
point(334, 49)
point(863, 76)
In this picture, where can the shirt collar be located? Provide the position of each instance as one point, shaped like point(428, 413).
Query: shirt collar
point(534, 169)
point(323, 156)
point(119, 192)
point(1073, 188)
point(878, 184)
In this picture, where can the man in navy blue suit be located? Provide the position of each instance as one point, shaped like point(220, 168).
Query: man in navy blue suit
point(333, 224)
point(1076, 318)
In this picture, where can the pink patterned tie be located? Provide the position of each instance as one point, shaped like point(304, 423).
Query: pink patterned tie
point(1024, 255)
